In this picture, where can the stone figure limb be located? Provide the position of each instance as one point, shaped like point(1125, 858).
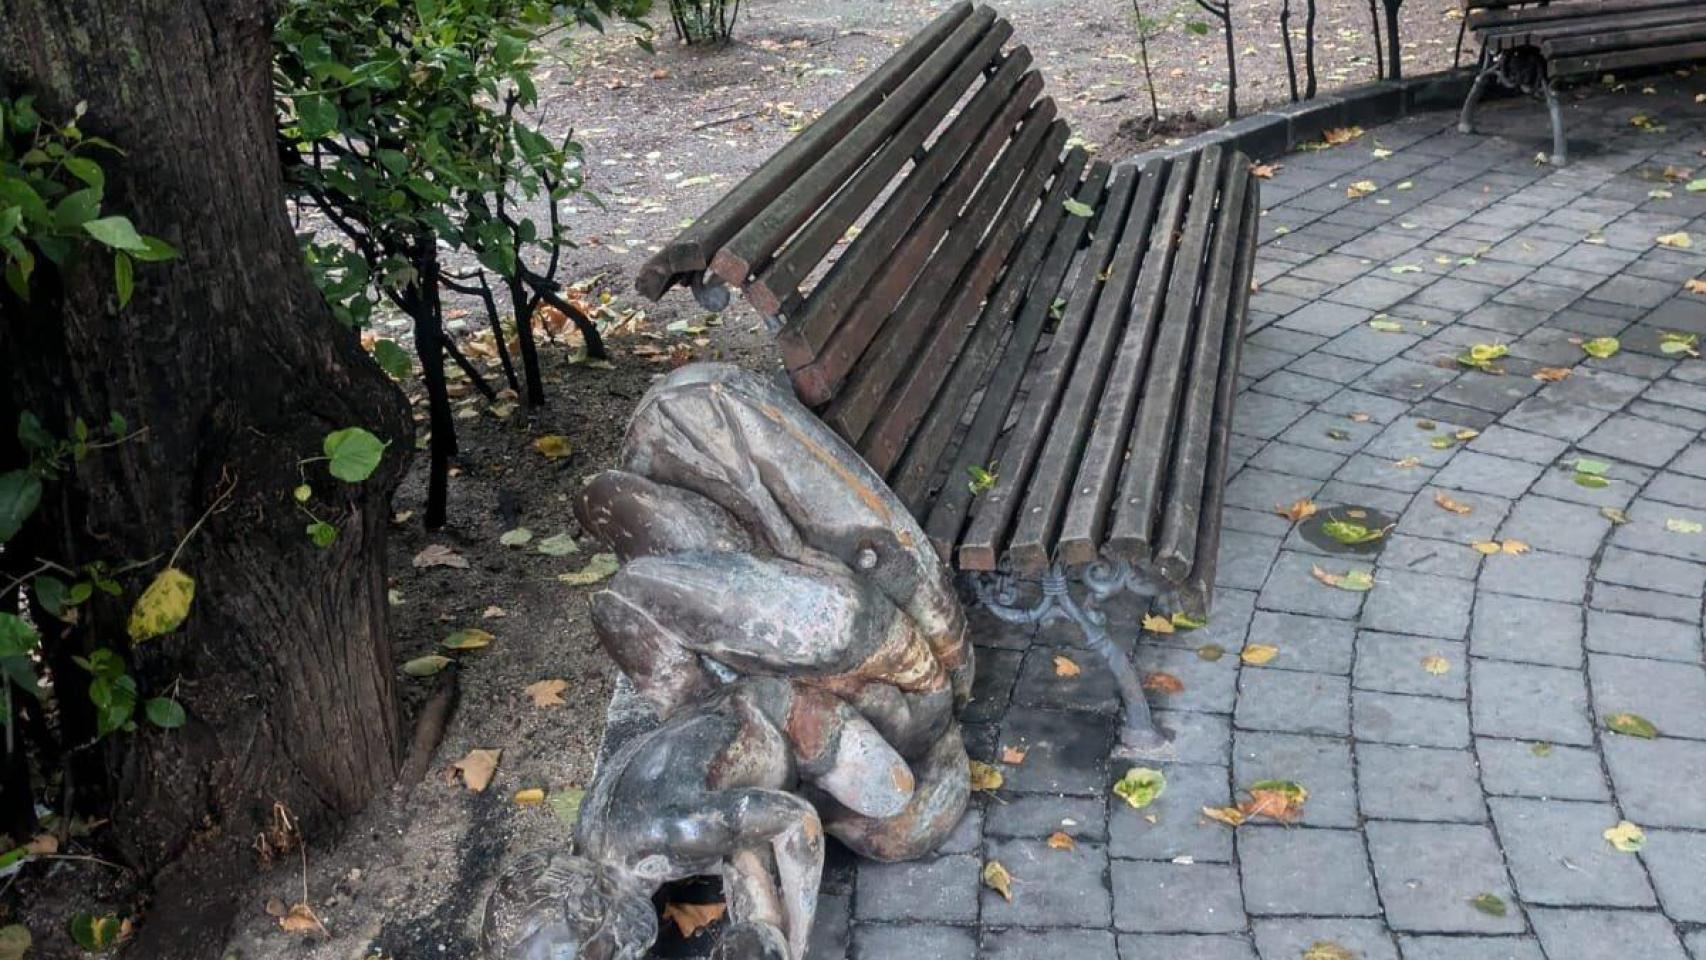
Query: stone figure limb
point(746, 444)
point(709, 791)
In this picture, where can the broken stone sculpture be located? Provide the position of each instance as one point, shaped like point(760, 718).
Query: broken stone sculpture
point(755, 545)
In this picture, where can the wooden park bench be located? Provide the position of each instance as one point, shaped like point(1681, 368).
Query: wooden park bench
point(1533, 45)
point(1038, 352)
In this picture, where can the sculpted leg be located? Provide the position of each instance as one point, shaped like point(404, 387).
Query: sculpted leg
point(938, 801)
point(787, 829)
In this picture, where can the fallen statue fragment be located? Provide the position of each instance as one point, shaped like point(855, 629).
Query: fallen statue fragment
point(755, 546)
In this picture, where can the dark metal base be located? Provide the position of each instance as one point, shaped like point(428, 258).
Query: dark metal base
point(1521, 70)
point(1140, 738)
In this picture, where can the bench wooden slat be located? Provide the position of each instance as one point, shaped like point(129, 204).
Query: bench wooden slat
point(993, 518)
point(780, 279)
point(920, 375)
point(1508, 38)
point(1597, 63)
point(1660, 36)
point(1099, 468)
point(690, 251)
point(910, 480)
point(1196, 594)
point(867, 386)
point(1032, 547)
point(755, 241)
point(952, 505)
point(1488, 19)
point(1175, 551)
point(873, 284)
point(1149, 450)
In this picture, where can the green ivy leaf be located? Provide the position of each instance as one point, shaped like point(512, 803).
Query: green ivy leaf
point(1140, 786)
point(123, 278)
point(51, 592)
point(1631, 725)
point(1077, 208)
point(87, 171)
point(1490, 904)
point(116, 232)
point(94, 933)
point(354, 454)
point(322, 534)
point(17, 638)
point(20, 494)
point(165, 713)
point(15, 941)
point(392, 358)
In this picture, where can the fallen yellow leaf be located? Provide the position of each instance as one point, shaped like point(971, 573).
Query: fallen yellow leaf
point(301, 919)
point(1446, 503)
point(996, 877)
point(1231, 816)
point(1155, 623)
point(1065, 667)
point(553, 446)
point(984, 777)
point(1487, 547)
point(1679, 240)
point(530, 796)
point(477, 768)
point(1696, 285)
point(1436, 664)
point(690, 918)
point(1551, 374)
point(546, 693)
point(163, 606)
point(1626, 837)
point(1299, 511)
point(1515, 547)
point(1257, 654)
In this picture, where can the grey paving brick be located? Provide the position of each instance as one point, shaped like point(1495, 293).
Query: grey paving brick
point(1321, 764)
point(1671, 695)
point(1394, 663)
point(1650, 529)
point(1383, 473)
point(1068, 750)
point(1263, 490)
point(1038, 815)
point(1642, 637)
point(967, 835)
point(1318, 644)
point(1692, 461)
point(1553, 418)
point(1290, 938)
point(832, 928)
point(1646, 775)
point(1504, 441)
point(1538, 575)
point(1667, 606)
point(1559, 856)
point(1470, 948)
point(1403, 379)
point(1325, 366)
point(1324, 318)
point(1409, 721)
point(1677, 488)
point(1204, 947)
point(1429, 873)
point(1597, 388)
point(1051, 888)
point(1419, 603)
point(991, 684)
point(1696, 942)
point(1288, 458)
point(1278, 865)
point(1418, 783)
point(1605, 935)
point(942, 890)
point(1289, 701)
point(1556, 525)
point(1637, 441)
point(1261, 415)
point(1529, 702)
point(1330, 432)
point(884, 942)
point(1056, 944)
point(1650, 572)
point(1426, 518)
point(1173, 825)
point(1623, 482)
point(1208, 685)
point(1422, 555)
point(1532, 631)
point(1296, 386)
point(1176, 898)
point(1674, 859)
point(1538, 768)
point(1040, 685)
point(1292, 588)
point(1378, 409)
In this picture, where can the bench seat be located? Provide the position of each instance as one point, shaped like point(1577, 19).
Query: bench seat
point(1006, 308)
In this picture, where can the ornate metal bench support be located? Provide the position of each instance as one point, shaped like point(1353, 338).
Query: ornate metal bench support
point(1140, 738)
point(1520, 69)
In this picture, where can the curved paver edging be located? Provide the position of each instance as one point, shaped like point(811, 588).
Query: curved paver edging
point(1285, 128)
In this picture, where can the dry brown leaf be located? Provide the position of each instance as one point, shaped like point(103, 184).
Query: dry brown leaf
point(1361, 417)
point(1696, 285)
point(42, 845)
point(1514, 547)
point(477, 768)
point(1299, 511)
point(1408, 462)
point(996, 877)
point(1231, 816)
point(983, 776)
point(1486, 547)
point(1446, 503)
point(547, 693)
point(1065, 667)
point(553, 446)
point(1281, 802)
point(1163, 682)
point(1013, 756)
point(301, 919)
point(1265, 171)
point(690, 918)
point(1061, 841)
point(1156, 623)
point(1551, 374)
point(439, 555)
point(1339, 135)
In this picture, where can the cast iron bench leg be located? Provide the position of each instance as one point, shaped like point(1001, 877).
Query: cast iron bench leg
point(1140, 738)
point(1555, 107)
point(1466, 122)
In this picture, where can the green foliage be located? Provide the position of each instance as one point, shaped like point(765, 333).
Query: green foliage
point(403, 122)
point(353, 454)
point(704, 21)
point(52, 194)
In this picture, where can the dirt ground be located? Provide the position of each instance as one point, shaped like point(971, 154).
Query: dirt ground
point(666, 134)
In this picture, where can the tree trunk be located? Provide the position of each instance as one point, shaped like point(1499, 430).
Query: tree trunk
point(235, 368)
point(1394, 42)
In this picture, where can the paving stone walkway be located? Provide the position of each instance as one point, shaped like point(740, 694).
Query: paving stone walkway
point(1426, 789)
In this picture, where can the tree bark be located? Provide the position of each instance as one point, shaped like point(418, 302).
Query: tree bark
point(230, 361)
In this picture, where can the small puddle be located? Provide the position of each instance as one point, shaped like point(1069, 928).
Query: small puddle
point(1348, 521)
